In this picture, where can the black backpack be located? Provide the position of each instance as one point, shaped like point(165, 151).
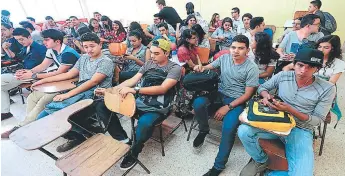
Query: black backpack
point(155, 77)
point(204, 81)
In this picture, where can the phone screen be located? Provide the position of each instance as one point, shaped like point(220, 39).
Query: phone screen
point(294, 48)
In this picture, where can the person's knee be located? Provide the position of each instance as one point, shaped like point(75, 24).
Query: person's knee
point(199, 103)
point(144, 124)
point(243, 131)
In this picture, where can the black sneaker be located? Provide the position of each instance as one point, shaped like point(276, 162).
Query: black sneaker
point(6, 134)
point(5, 116)
point(213, 172)
point(199, 140)
point(127, 162)
point(68, 145)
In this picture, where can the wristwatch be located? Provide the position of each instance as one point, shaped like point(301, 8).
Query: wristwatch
point(230, 106)
point(136, 90)
point(34, 76)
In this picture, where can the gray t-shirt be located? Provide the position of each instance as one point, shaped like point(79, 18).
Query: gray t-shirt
point(173, 69)
point(235, 78)
point(315, 36)
point(290, 43)
point(88, 67)
point(314, 100)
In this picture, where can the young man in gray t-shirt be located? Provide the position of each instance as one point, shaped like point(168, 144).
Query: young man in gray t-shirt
point(308, 99)
point(239, 79)
point(94, 70)
point(149, 114)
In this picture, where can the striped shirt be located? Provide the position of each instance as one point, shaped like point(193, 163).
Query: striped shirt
point(315, 99)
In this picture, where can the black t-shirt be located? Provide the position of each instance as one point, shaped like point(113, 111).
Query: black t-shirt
point(170, 15)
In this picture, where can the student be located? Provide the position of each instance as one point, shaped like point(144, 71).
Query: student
point(33, 22)
point(107, 23)
point(239, 80)
point(190, 11)
point(64, 57)
point(93, 69)
point(203, 41)
point(149, 115)
point(187, 49)
point(32, 55)
point(257, 24)
point(35, 35)
point(292, 41)
point(294, 88)
point(98, 16)
point(314, 8)
point(164, 34)
point(224, 34)
point(94, 26)
point(76, 26)
point(51, 24)
point(168, 14)
point(264, 55)
point(10, 45)
point(246, 18)
point(190, 21)
point(135, 57)
point(296, 25)
point(215, 22)
point(152, 30)
point(136, 26)
point(236, 20)
point(118, 33)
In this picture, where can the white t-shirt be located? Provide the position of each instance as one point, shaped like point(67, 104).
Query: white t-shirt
point(338, 66)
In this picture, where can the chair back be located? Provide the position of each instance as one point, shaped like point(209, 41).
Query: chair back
point(299, 14)
point(117, 49)
point(115, 103)
point(203, 54)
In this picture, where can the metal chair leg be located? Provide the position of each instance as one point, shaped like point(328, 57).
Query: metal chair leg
point(133, 129)
point(184, 124)
point(323, 138)
point(191, 128)
point(161, 139)
point(21, 94)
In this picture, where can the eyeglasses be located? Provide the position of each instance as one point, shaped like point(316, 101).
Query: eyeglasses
point(296, 23)
point(318, 24)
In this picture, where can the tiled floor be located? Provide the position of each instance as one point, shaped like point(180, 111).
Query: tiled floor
point(180, 158)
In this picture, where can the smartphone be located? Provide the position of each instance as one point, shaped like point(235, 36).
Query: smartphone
point(294, 48)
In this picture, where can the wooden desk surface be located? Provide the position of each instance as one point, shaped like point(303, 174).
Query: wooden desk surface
point(93, 157)
point(54, 87)
point(43, 131)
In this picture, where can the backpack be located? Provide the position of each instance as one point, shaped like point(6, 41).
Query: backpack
point(204, 81)
point(154, 77)
point(267, 118)
point(330, 23)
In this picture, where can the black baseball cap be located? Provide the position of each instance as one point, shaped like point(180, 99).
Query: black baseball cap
point(310, 56)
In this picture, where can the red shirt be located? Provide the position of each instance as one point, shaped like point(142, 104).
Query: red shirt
point(184, 54)
point(113, 38)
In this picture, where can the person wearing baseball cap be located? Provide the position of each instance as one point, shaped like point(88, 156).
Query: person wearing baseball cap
point(154, 84)
point(308, 99)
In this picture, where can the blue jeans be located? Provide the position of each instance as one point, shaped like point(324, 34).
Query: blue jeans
point(298, 149)
point(144, 130)
point(201, 107)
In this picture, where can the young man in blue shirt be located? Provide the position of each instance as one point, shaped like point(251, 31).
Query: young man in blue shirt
point(32, 54)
